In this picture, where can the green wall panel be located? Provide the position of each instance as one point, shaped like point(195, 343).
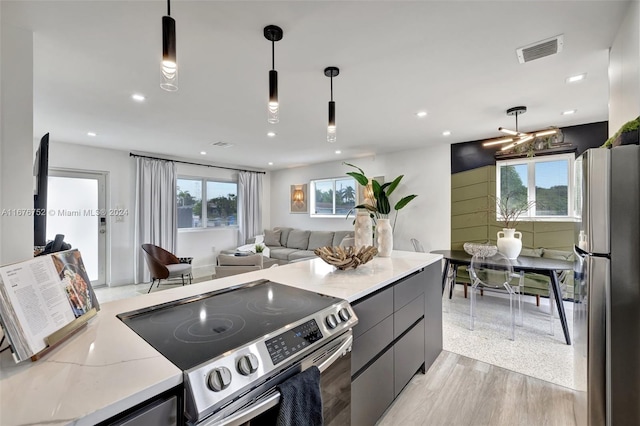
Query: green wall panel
point(468, 192)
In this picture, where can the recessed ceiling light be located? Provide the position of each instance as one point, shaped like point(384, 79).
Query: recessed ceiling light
point(138, 97)
point(576, 78)
point(270, 163)
point(92, 134)
point(271, 134)
point(421, 114)
point(203, 152)
point(569, 112)
point(338, 151)
point(446, 133)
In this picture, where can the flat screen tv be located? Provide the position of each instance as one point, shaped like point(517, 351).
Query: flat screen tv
point(41, 172)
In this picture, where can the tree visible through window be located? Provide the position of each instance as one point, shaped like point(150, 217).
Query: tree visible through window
point(542, 180)
point(221, 206)
point(333, 197)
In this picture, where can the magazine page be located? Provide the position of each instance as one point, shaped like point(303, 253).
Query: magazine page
point(75, 280)
point(38, 303)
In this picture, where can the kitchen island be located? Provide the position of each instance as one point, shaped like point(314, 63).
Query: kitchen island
point(106, 368)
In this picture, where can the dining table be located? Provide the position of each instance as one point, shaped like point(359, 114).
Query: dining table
point(539, 265)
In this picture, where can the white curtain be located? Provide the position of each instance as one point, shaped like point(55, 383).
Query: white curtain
point(156, 210)
point(249, 205)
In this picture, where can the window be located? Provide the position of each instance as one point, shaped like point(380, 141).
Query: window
point(546, 181)
point(333, 197)
point(221, 205)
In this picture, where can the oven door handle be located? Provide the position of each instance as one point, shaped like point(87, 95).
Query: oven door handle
point(247, 414)
point(272, 400)
point(344, 348)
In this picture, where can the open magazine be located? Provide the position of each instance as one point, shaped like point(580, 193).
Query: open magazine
point(40, 296)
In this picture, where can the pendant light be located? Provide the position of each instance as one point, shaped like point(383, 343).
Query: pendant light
point(169, 64)
point(273, 33)
point(517, 137)
point(331, 125)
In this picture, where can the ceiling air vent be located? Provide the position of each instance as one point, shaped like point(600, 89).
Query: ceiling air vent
point(222, 144)
point(540, 49)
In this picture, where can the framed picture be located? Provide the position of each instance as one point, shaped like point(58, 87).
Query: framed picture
point(363, 194)
point(299, 199)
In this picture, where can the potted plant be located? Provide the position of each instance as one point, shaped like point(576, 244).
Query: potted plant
point(259, 248)
point(381, 208)
point(626, 135)
point(508, 212)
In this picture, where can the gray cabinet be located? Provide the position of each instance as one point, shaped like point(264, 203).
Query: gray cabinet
point(408, 356)
point(432, 313)
point(394, 339)
point(372, 391)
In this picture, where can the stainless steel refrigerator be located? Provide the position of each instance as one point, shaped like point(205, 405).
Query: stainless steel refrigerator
point(607, 287)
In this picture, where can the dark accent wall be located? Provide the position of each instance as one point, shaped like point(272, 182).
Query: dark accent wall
point(472, 155)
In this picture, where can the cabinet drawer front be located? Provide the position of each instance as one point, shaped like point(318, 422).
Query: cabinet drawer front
point(405, 317)
point(372, 392)
point(372, 310)
point(408, 354)
point(371, 343)
point(408, 289)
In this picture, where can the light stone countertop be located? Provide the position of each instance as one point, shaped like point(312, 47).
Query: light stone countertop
point(106, 368)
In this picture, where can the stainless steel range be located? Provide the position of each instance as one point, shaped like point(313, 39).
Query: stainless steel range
point(236, 345)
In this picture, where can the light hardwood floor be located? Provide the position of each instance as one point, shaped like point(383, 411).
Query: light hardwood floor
point(459, 391)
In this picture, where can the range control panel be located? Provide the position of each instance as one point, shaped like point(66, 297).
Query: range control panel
point(289, 343)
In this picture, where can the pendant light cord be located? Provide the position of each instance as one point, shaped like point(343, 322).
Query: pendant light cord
point(517, 121)
point(168, 7)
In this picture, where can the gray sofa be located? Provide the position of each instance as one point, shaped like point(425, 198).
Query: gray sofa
point(289, 245)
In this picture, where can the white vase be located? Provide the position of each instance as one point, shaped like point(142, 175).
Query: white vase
point(384, 237)
point(510, 242)
point(363, 230)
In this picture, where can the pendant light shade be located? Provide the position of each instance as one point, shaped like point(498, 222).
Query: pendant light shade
point(169, 66)
point(331, 125)
point(273, 33)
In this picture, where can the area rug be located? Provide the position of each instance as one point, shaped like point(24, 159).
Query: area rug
point(534, 352)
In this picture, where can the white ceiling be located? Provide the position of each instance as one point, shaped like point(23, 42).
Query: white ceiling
point(456, 60)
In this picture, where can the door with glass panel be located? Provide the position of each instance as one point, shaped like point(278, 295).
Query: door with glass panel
point(76, 205)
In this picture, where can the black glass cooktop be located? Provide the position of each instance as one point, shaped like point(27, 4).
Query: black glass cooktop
point(191, 331)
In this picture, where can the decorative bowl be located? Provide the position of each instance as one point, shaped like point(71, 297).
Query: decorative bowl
point(346, 257)
point(484, 250)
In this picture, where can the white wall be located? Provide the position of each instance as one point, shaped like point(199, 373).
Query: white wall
point(427, 173)
point(16, 142)
point(624, 71)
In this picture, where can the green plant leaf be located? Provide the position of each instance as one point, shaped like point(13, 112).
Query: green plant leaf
point(393, 185)
point(354, 166)
point(375, 185)
point(404, 201)
point(383, 203)
point(360, 178)
point(361, 206)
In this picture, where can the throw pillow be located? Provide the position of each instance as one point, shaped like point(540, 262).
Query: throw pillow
point(298, 239)
point(284, 234)
point(272, 238)
point(531, 252)
point(319, 239)
point(259, 239)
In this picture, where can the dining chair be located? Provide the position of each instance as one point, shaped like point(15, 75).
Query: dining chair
point(496, 273)
point(417, 246)
point(163, 265)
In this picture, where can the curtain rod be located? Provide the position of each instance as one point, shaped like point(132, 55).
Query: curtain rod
point(131, 154)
